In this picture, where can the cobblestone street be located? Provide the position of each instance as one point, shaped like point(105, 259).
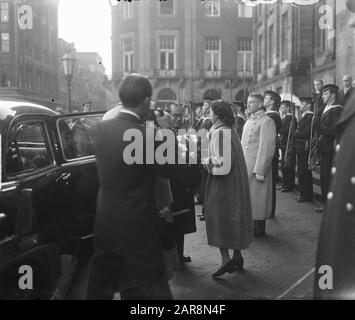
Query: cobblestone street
point(272, 265)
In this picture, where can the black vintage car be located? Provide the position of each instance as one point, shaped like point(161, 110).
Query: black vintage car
point(48, 193)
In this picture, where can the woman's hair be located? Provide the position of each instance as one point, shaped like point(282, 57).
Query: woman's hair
point(223, 111)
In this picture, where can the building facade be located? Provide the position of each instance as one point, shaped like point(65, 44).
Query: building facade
point(283, 48)
point(345, 40)
point(294, 45)
point(29, 51)
point(186, 48)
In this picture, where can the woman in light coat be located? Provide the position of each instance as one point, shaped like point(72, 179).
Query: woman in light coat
point(229, 221)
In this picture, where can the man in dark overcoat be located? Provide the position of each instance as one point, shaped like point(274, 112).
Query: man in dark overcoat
point(327, 134)
point(336, 246)
point(128, 255)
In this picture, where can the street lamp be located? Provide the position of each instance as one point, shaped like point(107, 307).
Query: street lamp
point(69, 61)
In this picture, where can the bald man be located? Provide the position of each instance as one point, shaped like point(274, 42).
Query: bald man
point(346, 93)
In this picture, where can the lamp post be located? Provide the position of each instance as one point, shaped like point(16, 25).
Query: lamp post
point(69, 61)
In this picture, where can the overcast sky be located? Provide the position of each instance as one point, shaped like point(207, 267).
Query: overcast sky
point(88, 25)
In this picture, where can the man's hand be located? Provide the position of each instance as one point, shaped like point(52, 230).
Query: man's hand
point(260, 178)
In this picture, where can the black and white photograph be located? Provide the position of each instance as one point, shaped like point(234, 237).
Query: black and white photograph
point(177, 150)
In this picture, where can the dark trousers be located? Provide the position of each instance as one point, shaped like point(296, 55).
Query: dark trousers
point(202, 189)
point(180, 242)
point(325, 161)
point(275, 177)
point(107, 270)
point(288, 173)
point(305, 179)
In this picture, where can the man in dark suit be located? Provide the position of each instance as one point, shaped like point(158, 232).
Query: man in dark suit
point(327, 135)
point(128, 255)
point(302, 138)
point(288, 163)
point(272, 104)
point(346, 93)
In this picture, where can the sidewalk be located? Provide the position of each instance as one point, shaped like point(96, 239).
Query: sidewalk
point(272, 265)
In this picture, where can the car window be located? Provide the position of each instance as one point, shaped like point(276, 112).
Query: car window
point(28, 150)
point(76, 135)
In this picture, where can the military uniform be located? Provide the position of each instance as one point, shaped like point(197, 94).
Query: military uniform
point(327, 134)
point(336, 246)
point(275, 116)
point(288, 169)
point(302, 137)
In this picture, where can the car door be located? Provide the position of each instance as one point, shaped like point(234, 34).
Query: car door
point(29, 167)
point(78, 182)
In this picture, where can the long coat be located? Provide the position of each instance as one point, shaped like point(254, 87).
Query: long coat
point(336, 246)
point(228, 214)
point(258, 142)
point(127, 221)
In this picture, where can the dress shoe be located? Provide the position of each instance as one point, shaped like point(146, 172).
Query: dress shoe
point(279, 188)
point(285, 190)
point(259, 228)
point(239, 263)
point(228, 267)
point(185, 259)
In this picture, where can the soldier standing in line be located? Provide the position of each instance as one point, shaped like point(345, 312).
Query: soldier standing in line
point(272, 104)
point(302, 138)
point(288, 163)
point(327, 135)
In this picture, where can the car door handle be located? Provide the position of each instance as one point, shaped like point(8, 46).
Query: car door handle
point(64, 177)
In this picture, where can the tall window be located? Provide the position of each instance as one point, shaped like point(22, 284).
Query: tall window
point(245, 11)
point(284, 37)
point(127, 10)
point(127, 54)
point(212, 54)
point(244, 62)
point(167, 52)
point(167, 7)
point(5, 42)
point(271, 46)
point(213, 8)
point(260, 53)
point(4, 10)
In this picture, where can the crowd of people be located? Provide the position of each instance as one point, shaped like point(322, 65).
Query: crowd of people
point(145, 210)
